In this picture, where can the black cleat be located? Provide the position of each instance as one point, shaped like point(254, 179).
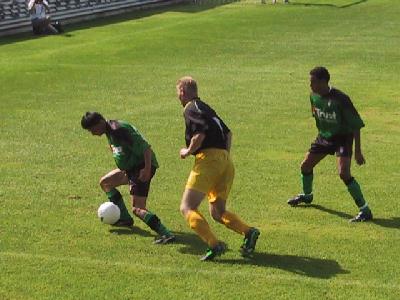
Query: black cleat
point(249, 243)
point(211, 253)
point(300, 198)
point(362, 216)
point(124, 223)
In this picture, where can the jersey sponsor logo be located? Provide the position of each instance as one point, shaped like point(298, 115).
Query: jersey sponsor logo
point(117, 150)
point(322, 115)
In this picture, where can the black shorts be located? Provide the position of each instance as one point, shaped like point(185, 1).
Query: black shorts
point(342, 145)
point(137, 187)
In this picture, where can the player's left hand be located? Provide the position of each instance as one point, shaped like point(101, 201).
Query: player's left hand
point(184, 153)
point(359, 158)
point(144, 175)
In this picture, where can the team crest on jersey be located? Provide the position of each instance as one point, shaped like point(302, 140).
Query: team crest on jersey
point(117, 150)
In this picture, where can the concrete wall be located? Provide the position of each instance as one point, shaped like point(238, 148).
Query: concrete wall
point(14, 15)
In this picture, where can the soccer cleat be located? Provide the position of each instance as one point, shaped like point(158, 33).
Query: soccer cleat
point(211, 253)
point(164, 239)
point(249, 242)
point(124, 223)
point(300, 198)
point(362, 216)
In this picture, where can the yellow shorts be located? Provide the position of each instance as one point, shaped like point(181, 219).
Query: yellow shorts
point(212, 174)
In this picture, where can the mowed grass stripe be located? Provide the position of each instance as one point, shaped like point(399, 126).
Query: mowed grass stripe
point(138, 267)
point(252, 64)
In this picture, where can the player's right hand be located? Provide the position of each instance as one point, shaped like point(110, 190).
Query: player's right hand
point(184, 152)
point(359, 158)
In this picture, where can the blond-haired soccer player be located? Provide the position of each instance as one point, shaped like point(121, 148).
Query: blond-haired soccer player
point(209, 140)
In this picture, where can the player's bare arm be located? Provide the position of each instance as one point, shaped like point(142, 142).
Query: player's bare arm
point(195, 144)
point(145, 173)
point(358, 156)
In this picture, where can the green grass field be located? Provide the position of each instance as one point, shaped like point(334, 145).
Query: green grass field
point(252, 63)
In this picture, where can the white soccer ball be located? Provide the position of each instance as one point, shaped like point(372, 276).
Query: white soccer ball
point(108, 213)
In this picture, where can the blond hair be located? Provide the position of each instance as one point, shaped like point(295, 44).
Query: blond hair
point(189, 86)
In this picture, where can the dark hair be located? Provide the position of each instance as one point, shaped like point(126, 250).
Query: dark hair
point(91, 119)
point(321, 73)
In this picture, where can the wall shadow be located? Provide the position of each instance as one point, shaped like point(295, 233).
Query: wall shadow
point(330, 5)
point(188, 7)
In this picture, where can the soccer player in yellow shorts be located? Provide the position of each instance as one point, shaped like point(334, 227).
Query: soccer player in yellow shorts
point(209, 140)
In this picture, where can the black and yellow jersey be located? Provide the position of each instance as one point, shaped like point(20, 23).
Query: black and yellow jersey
point(201, 118)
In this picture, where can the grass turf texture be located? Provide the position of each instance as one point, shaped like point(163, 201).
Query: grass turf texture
point(252, 64)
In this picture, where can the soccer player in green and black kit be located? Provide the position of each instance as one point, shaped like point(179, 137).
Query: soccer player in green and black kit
point(136, 164)
point(338, 124)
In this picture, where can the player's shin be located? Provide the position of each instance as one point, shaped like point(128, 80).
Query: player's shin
point(233, 222)
point(307, 181)
point(200, 226)
point(155, 224)
point(115, 196)
point(355, 191)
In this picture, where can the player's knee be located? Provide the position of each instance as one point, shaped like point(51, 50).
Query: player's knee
point(305, 167)
point(103, 182)
point(184, 209)
point(216, 216)
point(136, 211)
point(345, 176)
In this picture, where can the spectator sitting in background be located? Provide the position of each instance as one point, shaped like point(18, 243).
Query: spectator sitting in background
point(41, 23)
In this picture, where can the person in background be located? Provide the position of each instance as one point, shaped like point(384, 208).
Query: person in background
point(41, 23)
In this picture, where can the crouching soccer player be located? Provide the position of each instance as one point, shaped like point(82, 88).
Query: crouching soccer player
point(209, 140)
point(338, 124)
point(136, 164)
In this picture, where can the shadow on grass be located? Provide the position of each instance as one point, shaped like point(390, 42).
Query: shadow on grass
point(331, 211)
point(192, 244)
point(109, 20)
point(388, 223)
point(130, 231)
point(305, 266)
point(331, 5)
point(301, 265)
